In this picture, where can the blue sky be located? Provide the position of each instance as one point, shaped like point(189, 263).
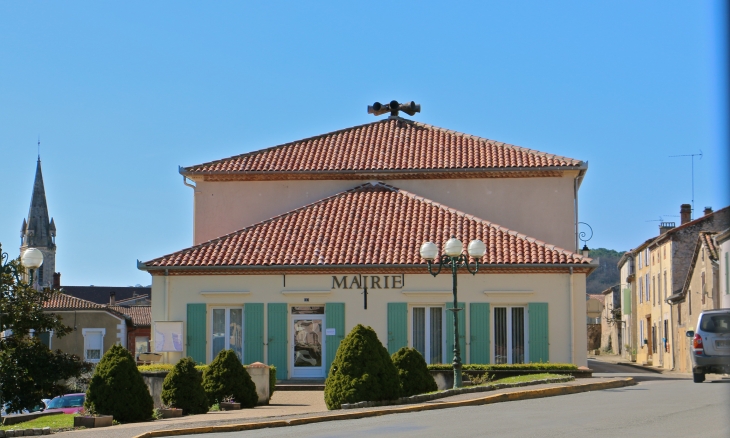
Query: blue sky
point(121, 93)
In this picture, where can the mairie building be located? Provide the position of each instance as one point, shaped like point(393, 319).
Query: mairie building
point(287, 239)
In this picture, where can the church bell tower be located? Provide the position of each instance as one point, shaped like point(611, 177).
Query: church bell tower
point(40, 233)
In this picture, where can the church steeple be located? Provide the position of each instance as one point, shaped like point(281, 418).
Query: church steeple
point(40, 232)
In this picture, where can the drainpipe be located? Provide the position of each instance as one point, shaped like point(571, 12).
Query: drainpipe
point(572, 317)
point(167, 296)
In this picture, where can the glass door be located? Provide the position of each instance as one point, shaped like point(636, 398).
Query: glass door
point(307, 352)
point(509, 335)
point(428, 325)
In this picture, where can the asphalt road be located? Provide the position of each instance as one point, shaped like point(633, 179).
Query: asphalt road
point(660, 405)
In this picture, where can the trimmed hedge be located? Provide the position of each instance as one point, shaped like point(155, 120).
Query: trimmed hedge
point(225, 377)
point(362, 371)
point(183, 388)
point(117, 388)
point(413, 372)
point(507, 367)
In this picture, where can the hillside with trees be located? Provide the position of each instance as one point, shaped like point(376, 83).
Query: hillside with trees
point(607, 274)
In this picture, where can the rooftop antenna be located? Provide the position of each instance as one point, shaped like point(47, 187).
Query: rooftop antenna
point(661, 218)
point(693, 174)
point(39, 147)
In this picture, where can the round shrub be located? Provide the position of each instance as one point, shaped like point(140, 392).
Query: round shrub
point(183, 388)
point(413, 372)
point(362, 371)
point(117, 388)
point(226, 377)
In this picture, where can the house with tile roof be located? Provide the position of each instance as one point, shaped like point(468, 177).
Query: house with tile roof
point(295, 244)
point(97, 327)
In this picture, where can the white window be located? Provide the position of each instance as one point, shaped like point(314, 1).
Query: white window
point(93, 343)
point(510, 335)
point(428, 333)
point(641, 291)
point(141, 345)
point(227, 331)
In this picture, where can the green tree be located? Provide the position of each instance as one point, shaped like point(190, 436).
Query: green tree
point(226, 377)
point(362, 371)
point(29, 371)
point(183, 388)
point(117, 388)
point(413, 372)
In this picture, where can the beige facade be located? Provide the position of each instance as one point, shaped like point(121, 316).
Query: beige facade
point(545, 210)
point(96, 332)
point(563, 293)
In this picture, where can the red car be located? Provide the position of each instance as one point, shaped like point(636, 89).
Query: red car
point(68, 404)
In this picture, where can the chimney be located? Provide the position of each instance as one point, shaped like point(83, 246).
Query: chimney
point(685, 211)
point(708, 210)
point(112, 298)
point(666, 226)
point(56, 280)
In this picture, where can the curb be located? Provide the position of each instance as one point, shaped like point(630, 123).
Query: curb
point(497, 398)
point(632, 365)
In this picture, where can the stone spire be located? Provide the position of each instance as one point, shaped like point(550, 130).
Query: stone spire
point(40, 232)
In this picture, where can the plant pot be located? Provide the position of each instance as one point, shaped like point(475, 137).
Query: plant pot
point(89, 422)
point(171, 413)
point(228, 406)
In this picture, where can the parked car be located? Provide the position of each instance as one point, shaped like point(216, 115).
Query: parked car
point(68, 404)
point(711, 344)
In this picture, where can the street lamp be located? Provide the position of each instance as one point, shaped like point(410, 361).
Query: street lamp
point(31, 259)
point(453, 255)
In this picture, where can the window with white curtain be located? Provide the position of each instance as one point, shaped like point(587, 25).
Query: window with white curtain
point(428, 333)
point(228, 331)
point(93, 343)
point(509, 335)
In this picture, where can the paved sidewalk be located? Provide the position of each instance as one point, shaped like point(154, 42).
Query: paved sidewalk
point(288, 405)
point(619, 360)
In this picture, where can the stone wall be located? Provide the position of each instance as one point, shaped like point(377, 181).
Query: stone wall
point(594, 336)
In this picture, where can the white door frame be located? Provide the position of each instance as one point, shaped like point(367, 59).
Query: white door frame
point(306, 372)
point(509, 307)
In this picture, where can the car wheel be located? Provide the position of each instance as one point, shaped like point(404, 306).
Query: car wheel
point(698, 377)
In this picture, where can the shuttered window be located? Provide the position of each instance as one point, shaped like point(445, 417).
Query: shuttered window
point(428, 333)
point(277, 338)
point(397, 326)
point(334, 315)
point(196, 332)
point(253, 332)
point(93, 344)
point(539, 335)
point(479, 333)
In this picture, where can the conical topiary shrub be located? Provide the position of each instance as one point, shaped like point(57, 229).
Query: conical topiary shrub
point(362, 371)
point(183, 388)
point(226, 377)
point(117, 388)
point(413, 372)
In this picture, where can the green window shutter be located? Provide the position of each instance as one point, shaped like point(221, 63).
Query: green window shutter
point(197, 332)
point(277, 328)
point(449, 353)
point(627, 302)
point(334, 315)
point(253, 332)
point(538, 332)
point(397, 326)
point(479, 333)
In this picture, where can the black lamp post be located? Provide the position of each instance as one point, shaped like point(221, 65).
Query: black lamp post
point(456, 258)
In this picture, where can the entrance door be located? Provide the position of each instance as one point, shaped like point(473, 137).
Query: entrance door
point(307, 354)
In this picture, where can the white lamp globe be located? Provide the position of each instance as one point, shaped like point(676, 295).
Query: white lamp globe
point(477, 249)
point(32, 258)
point(429, 251)
point(453, 247)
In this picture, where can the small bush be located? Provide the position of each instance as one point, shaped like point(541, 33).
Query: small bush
point(226, 377)
point(272, 380)
point(183, 388)
point(413, 372)
point(117, 388)
point(362, 371)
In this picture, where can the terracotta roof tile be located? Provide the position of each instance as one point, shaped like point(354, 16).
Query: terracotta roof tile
point(372, 224)
point(708, 240)
point(386, 145)
point(63, 301)
point(140, 315)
